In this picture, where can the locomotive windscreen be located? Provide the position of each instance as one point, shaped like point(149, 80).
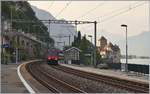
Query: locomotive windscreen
point(53, 53)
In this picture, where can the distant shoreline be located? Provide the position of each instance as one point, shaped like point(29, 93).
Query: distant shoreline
point(134, 57)
point(137, 61)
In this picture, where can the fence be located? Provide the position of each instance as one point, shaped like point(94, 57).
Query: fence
point(75, 62)
point(131, 67)
point(139, 68)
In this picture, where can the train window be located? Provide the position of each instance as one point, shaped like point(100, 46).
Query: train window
point(27, 44)
point(22, 42)
point(53, 53)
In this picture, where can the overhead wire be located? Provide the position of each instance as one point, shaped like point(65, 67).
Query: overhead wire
point(91, 10)
point(62, 10)
point(51, 4)
point(116, 10)
point(121, 12)
point(107, 16)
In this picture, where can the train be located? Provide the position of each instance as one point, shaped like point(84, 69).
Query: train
point(53, 56)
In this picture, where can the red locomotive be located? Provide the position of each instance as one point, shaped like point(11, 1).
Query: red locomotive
point(53, 56)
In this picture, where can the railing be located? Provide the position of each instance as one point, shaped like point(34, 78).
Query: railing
point(131, 67)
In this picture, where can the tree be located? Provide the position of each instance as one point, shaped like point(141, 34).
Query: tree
point(98, 57)
point(77, 40)
point(79, 36)
point(83, 44)
point(74, 43)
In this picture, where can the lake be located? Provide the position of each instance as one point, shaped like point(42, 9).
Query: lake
point(137, 61)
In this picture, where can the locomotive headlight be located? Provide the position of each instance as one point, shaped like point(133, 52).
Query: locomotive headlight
point(49, 58)
point(56, 59)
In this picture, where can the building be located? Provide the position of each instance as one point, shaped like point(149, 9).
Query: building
point(116, 54)
point(72, 55)
point(109, 51)
point(26, 45)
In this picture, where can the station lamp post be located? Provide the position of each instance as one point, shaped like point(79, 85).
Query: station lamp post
point(126, 65)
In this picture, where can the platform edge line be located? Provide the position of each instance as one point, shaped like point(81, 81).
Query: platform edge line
point(28, 87)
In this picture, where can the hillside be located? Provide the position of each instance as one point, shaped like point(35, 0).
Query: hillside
point(22, 10)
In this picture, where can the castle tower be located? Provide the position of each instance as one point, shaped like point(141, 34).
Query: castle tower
point(103, 42)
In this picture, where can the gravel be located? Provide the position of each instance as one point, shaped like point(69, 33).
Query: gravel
point(84, 84)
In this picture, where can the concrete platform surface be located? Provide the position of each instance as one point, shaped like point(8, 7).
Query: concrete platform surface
point(109, 72)
point(10, 81)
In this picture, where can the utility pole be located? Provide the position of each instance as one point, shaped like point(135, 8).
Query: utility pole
point(49, 28)
point(69, 40)
point(64, 43)
point(16, 49)
point(95, 38)
point(11, 17)
point(76, 28)
point(2, 38)
point(16, 55)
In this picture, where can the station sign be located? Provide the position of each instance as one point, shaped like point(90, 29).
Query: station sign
point(5, 45)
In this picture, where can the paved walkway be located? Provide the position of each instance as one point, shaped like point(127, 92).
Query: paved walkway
point(115, 73)
point(10, 82)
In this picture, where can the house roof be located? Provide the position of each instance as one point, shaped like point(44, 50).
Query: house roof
point(73, 48)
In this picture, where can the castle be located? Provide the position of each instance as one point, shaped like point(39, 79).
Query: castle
point(109, 51)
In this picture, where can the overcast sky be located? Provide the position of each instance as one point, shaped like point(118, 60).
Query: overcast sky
point(110, 14)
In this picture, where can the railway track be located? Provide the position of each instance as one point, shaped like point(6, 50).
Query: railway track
point(132, 86)
point(53, 84)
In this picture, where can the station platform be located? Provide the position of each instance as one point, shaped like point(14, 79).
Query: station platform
point(110, 72)
point(10, 81)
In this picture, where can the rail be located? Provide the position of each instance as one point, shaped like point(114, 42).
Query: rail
point(53, 84)
point(117, 82)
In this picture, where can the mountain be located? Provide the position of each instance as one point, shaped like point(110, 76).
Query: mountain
point(57, 29)
point(41, 14)
point(137, 45)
